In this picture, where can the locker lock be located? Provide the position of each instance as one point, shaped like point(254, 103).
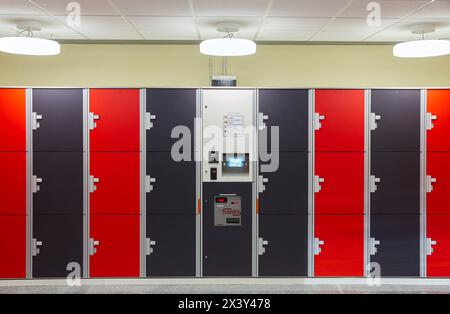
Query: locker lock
point(261, 185)
point(430, 119)
point(148, 184)
point(430, 181)
point(149, 246)
point(149, 120)
point(317, 183)
point(317, 246)
point(317, 121)
point(373, 121)
point(261, 121)
point(92, 118)
point(93, 246)
point(261, 246)
point(373, 246)
point(92, 182)
point(373, 184)
point(429, 248)
point(35, 118)
point(35, 248)
point(35, 184)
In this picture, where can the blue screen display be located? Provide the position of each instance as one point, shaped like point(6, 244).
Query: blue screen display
point(235, 162)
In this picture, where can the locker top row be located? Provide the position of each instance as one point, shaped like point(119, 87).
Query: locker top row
point(115, 120)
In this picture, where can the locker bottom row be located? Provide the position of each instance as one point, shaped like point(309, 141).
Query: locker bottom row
point(338, 249)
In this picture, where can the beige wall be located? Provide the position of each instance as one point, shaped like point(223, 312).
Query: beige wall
point(183, 65)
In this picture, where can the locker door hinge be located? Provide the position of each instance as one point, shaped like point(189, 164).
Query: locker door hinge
point(35, 184)
point(317, 184)
point(149, 246)
point(261, 185)
point(429, 249)
point(35, 247)
point(93, 246)
point(373, 121)
point(373, 184)
point(430, 181)
point(430, 119)
point(35, 118)
point(261, 246)
point(317, 246)
point(92, 184)
point(149, 120)
point(92, 118)
point(148, 184)
point(261, 121)
point(317, 121)
point(373, 246)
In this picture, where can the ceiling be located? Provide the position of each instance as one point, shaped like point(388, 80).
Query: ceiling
point(260, 20)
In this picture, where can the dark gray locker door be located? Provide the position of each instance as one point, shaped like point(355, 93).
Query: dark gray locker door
point(287, 189)
point(61, 190)
point(287, 251)
point(174, 189)
point(399, 189)
point(61, 127)
point(288, 109)
point(227, 251)
point(172, 107)
point(174, 252)
point(399, 127)
point(62, 243)
point(399, 251)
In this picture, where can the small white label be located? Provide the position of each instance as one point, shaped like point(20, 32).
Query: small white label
point(233, 125)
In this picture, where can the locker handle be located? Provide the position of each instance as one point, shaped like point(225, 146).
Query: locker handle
point(92, 118)
point(93, 246)
point(430, 119)
point(317, 246)
point(318, 183)
point(261, 121)
point(148, 184)
point(149, 120)
point(373, 246)
point(261, 246)
point(430, 181)
point(317, 121)
point(261, 185)
point(35, 184)
point(36, 244)
point(149, 246)
point(429, 248)
point(35, 118)
point(373, 183)
point(92, 184)
point(373, 121)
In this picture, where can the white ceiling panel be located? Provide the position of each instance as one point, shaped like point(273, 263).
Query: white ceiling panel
point(18, 7)
point(88, 7)
point(106, 27)
point(289, 35)
point(247, 26)
point(170, 28)
point(154, 7)
point(306, 8)
point(438, 9)
point(230, 7)
point(389, 8)
point(281, 25)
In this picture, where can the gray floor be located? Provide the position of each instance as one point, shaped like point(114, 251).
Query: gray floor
point(226, 289)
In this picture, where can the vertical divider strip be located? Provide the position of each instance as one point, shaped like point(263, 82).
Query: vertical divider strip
point(423, 184)
point(367, 148)
point(143, 173)
point(29, 173)
point(311, 146)
point(198, 148)
point(86, 173)
point(255, 162)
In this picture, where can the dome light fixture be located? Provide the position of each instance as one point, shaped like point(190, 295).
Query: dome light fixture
point(29, 45)
point(228, 46)
point(422, 48)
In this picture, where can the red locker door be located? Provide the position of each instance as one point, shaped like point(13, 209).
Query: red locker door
point(117, 191)
point(438, 263)
point(342, 253)
point(13, 183)
point(117, 253)
point(13, 120)
point(342, 191)
point(12, 246)
point(438, 102)
point(117, 126)
point(438, 167)
point(343, 120)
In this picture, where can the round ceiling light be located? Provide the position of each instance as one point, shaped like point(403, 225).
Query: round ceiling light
point(422, 48)
point(29, 45)
point(228, 46)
